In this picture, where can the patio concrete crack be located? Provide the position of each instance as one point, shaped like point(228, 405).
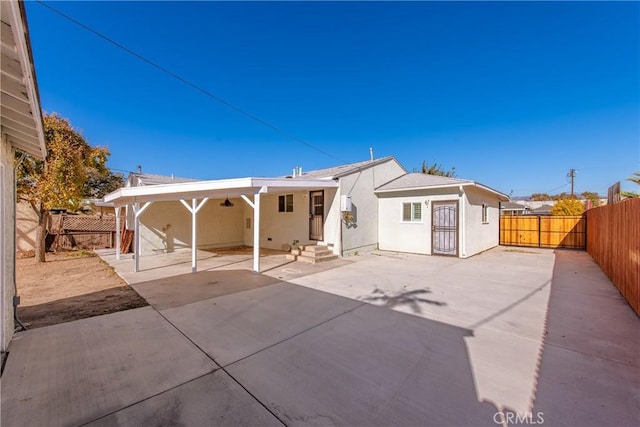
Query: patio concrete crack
point(293, 336)
point(146, 398)
point(510, 306)
point(222, 368)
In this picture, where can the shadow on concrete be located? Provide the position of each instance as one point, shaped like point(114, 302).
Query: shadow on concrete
point(410, 298)
point(80, 307)
point(366, 366)
point(192, 287)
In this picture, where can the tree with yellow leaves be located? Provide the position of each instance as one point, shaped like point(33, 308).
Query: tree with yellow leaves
point(571, 206)
point(65, 177)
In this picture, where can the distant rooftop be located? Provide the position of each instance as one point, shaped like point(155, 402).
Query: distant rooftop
point(150, 179)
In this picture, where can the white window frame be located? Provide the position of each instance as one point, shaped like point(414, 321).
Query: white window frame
point(485, 213)
point(413, 218)
point(286, 205)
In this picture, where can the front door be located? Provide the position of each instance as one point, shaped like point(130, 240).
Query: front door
point(316, 215)
point(444, 228)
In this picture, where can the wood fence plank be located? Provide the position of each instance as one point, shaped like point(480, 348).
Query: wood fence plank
point(613, 241)
point(543, 231)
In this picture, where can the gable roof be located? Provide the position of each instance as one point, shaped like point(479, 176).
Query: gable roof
point(421, 181)
point(343, 170)
point(417, 180)
point(137, 179)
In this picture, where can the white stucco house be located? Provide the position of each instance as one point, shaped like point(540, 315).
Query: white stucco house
point(351, 208)
point(21, 129)
point(436, 215)
point(298, 209)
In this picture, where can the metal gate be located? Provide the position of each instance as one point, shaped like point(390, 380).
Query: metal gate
point(316, 215)
point(444, 229)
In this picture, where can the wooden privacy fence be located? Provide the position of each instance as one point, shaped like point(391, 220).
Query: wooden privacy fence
point(543, 231)
point(80, 231)
point(613, 241)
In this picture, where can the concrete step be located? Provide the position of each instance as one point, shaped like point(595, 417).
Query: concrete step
point(312, 248)
point(315, 254)
point(291, 257)
point(316, 260)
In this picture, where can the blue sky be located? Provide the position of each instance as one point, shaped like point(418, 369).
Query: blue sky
point(511, 94)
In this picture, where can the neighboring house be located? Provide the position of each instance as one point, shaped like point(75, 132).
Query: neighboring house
point(436, 215)
point(21, 129)
point(351, 208)
point(512, 208)
point(543, 210)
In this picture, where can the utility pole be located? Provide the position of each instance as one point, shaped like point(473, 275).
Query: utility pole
point(572, 175)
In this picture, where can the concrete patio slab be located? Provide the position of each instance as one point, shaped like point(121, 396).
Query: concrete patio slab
point(192, 287)
point(234, 326)
point(176, 263)
point(370, 366)
point(212, 400)
point(382, 339)
point(72, 373)
point(590, 370)
point(586, 304)
point(501, 294)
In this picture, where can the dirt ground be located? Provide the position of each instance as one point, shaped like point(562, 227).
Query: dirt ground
point(70, 286)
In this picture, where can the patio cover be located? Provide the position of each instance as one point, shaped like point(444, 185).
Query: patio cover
point(198, 193)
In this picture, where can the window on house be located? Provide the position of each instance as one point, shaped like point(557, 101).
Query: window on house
point(412, 212)
point(485, 213)
point(285, 203)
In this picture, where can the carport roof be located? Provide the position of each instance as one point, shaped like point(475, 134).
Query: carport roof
point(421, 181)
point(213, 189)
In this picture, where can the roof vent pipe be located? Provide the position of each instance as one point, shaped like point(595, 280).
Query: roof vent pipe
point(371, 153)
point(294, 172)
point(299, 170)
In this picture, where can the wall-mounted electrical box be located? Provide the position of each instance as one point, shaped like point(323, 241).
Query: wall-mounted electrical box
point(345, 203)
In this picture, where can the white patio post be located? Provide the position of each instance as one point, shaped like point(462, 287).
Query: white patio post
point(118, 232)
point(256, 231)
point(194, 208)
point(137, 211)
point(256, 234)
point(194, 237)
point(255, 205)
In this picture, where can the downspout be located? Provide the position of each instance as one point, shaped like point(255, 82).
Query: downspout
point(16, 298)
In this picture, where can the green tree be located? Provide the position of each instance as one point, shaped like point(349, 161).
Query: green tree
point(436, 169)
point(570, 206)
point(60, 181)
point(540, 197)
point(590, 195)
point(633, 178)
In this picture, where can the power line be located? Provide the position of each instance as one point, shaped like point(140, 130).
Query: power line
point(191, 84)
point(557, 188)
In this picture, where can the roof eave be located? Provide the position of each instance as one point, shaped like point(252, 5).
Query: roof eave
point(217, 188)
point(32, 145)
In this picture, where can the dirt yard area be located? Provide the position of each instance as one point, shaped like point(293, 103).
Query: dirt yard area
point(69, 286)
